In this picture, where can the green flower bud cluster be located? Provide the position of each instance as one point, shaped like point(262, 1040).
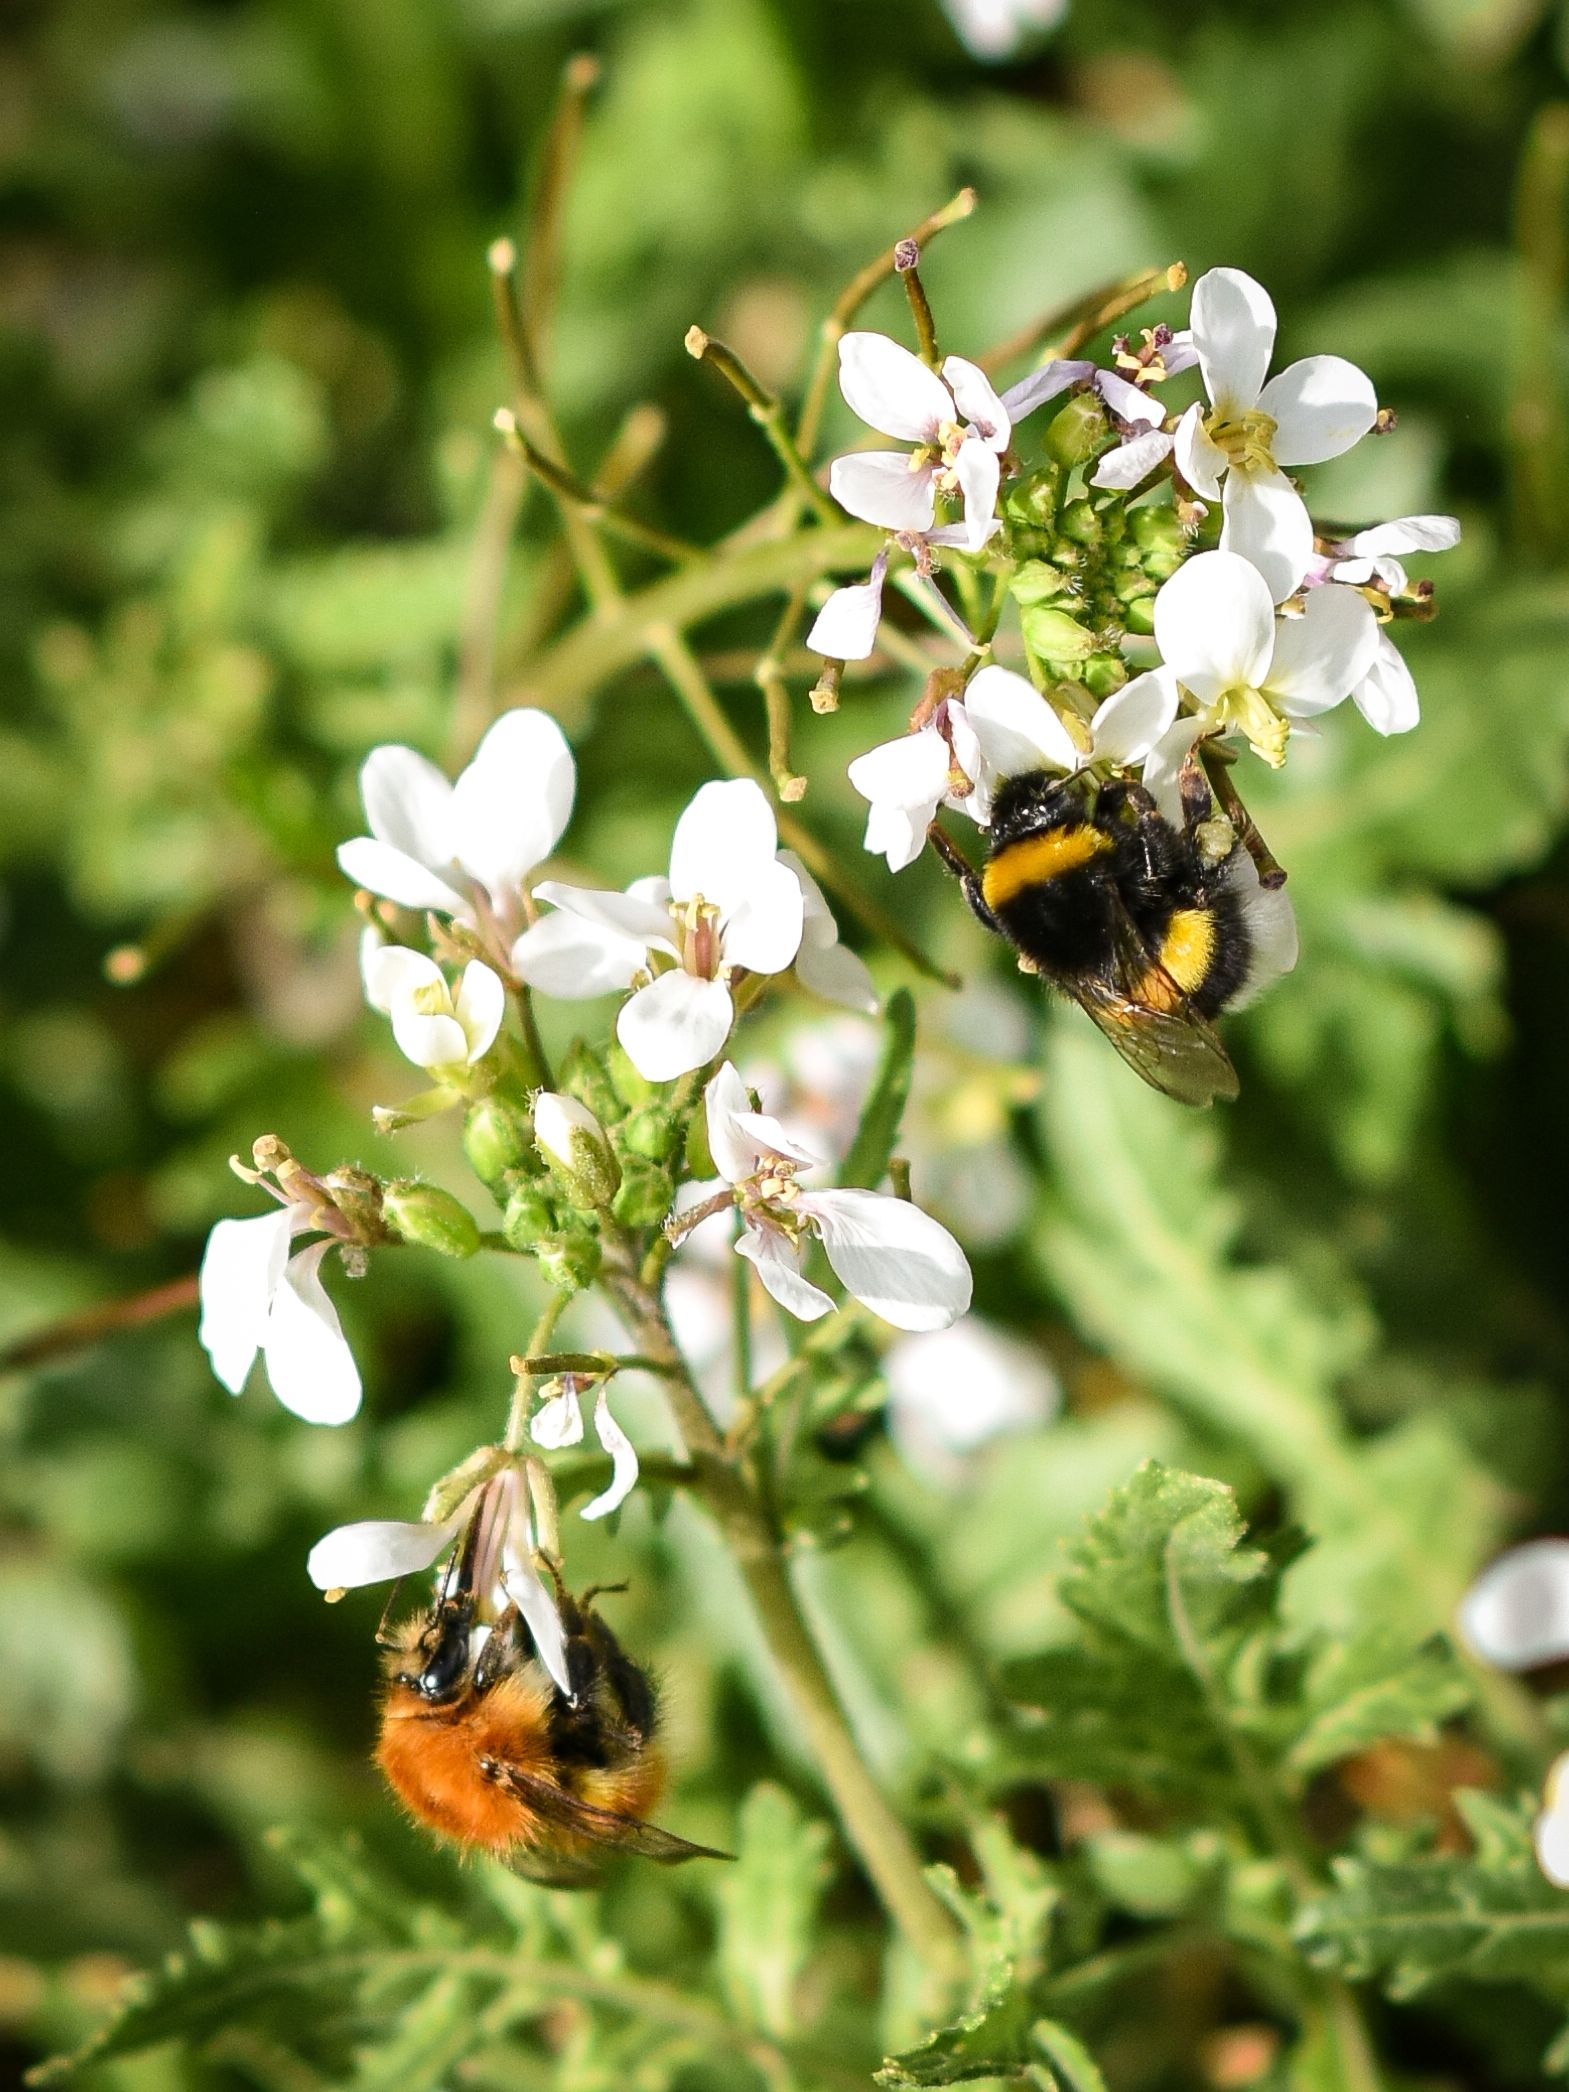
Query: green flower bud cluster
point(1088, 566)
point(562, 1163)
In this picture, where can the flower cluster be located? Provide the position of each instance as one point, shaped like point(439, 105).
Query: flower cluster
point(1146, 632)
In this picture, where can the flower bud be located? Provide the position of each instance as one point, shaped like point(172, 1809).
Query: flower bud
point(646, 1195)
point(1141, 616)
point(1076, 432)
point(1036, 581)
point(1159, 536)
point(585, 1076)
point(529, 1215)
point(650, 1133)
point(575, 1150)
point(426, 1215)
point(569, 1259)
point(1055, 637)
point(498, 1136)
point(357, 1196)
point(632, 1088)
point(1034, 500)
point(1104, 673)
point(1080, 524)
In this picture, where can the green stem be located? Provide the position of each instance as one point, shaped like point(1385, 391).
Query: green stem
point(726, 1485)
point(523, 1393)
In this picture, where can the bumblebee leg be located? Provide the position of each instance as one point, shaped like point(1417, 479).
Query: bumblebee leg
point(1198, 801)
point(956, 861)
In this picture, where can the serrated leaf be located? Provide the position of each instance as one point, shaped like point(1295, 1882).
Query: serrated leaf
point(877, 1135)
point(1361, 1691)
point(1491, 1916)
point(767, 1904)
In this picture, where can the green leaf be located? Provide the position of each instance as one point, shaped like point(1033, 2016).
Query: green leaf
point(1491, 1916)
point(867, 1162)
point(767, 1907)
point(1358, 1692)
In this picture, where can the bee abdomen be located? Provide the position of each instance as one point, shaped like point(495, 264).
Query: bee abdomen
point(1035, 860)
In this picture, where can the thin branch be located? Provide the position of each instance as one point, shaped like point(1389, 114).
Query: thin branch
point(1070, 326)
point(596, 512)
point(542, 268)
point(849, 302)
point(768, 413)
point(81, 1331)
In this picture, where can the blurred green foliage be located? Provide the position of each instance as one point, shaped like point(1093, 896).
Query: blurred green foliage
point(247, 368)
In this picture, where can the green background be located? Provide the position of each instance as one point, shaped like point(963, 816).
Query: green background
point(246, 373)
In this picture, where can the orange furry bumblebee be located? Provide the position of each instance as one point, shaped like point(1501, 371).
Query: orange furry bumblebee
point(483, 1747)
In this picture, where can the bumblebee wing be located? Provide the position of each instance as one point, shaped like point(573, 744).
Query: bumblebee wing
point(617, 1832)
point(1155, 1028)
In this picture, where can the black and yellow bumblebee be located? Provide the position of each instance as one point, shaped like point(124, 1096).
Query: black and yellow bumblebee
point(1117, 905)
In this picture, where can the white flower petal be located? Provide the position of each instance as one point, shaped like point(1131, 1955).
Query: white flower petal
point(891, 390)
point(905, 780)
point(378, 1550)
point(767, 1136)
point(724, 844)
point(623, 1456)
point(512, 804)
point(1321, 656)
point(393, 973)
point(1551, 1834)
point(1233, 321)
point(630, 917)
point(1386, 696)
point(565, 956)
point(309, 1364)
point(1044, 384)
point(429, 1041)
point(1406, 534)
point(1163, 765)
point(878, 486)
point(536, 1604)
point(1267, 522)
point(1202, 462)
point(1132, 719)
point(558, 1422)
point(242, 1267)
point(894, 1258)
point(978, 470)
point(1132, 461)
point(1320, 407)
point(778, 1264)
point(837, 974)
point(1215, 625)
point(1017, 729)
point(1516, 1614)
point(674, 1025)
point(976, 401)
point(845, 629)
point(381, 869)
point(1127, 402)
point(725, 1099)
point(480, 1005)
point(763, 932)
point(1272, 929)
point(408, 804)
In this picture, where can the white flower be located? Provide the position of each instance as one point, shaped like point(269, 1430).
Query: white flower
point(952, 1392)
point(1387, 695)
point(823, 964)
point(958, 424)
point(1551, 1835)
point(559, 1422)
point(1312, 410)
point(1516, 1614)
point(465, 849)
point(434, 1027)
point(1001, 727)
point(892, 1257)
point(994, 29)
point(1019, 731)
point(1248, 670)
point(1145, 443)
point(908, 779)
point(378, 1550)
point(728, 905)
point(845, 629)
point(256, 1296)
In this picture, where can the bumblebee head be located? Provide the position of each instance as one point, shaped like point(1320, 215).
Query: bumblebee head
point(432, 1659)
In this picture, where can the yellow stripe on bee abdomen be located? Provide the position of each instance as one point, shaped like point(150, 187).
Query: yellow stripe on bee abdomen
point(1183, 962)
point(1033, 859)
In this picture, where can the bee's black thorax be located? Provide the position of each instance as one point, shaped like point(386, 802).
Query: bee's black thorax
point(1047, 881)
